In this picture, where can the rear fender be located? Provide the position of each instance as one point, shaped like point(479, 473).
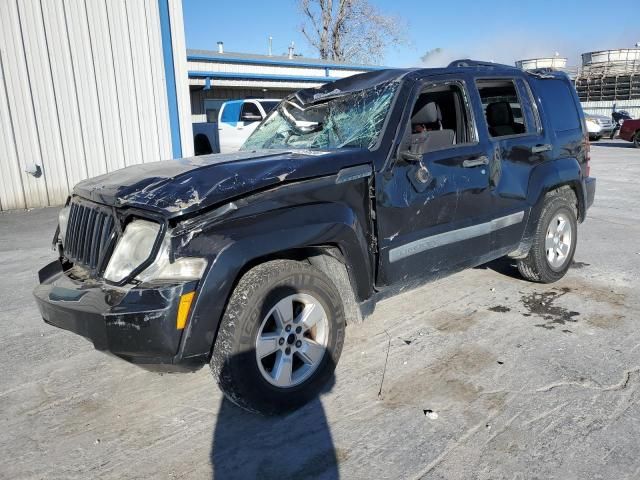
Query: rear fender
point(546, 177)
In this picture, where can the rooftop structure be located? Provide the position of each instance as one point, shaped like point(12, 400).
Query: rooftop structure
point(609, 75)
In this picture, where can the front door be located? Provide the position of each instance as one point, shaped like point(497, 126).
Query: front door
point(230, 127)
point(434, 209)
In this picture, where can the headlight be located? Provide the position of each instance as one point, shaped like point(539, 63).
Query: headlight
point(63, 221)
point(182, 269)
point(133, 248)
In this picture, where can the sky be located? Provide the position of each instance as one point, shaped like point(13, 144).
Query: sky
point(499, 30)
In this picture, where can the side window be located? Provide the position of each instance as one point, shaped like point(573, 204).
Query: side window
point(250, 113)
point(558, 104)
point(230, 112)
point(440, 118)
point(529, 106)
point(503, 109)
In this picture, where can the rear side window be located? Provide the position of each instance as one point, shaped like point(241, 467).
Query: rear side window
point(502, 108)
point(558, 104)
point(231, 112)
point(268, 106)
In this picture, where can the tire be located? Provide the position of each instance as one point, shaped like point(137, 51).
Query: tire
point(255, 307)
point(636, 139)
point(559, 205)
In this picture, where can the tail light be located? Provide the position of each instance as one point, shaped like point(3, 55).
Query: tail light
point(587, 155)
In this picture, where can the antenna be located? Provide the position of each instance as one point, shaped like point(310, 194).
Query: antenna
point(270, 45)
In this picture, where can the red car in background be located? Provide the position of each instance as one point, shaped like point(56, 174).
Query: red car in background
point(630, 131)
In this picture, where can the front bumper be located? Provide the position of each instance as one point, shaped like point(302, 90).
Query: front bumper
point(136, 324)
point(597, 130)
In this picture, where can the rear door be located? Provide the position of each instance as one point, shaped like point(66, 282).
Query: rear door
point(434, 209)
point(517, 143)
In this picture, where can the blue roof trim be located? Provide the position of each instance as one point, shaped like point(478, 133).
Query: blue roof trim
point(282, 63)
point(261, 76)
point(170, 76)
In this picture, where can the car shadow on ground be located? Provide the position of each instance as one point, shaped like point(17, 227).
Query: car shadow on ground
point(248, 445)
point(504, 265)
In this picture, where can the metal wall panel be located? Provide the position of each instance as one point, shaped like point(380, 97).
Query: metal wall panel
point(11, 192)
point(89, 111)
point(83, 92)
point(158, 79)
point(180, 65)
point(20, 107)
point(605, 107)
point(66, 98)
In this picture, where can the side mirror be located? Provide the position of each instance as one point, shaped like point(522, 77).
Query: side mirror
point(410, 156)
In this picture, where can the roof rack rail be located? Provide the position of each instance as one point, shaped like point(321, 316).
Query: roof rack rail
point(466, 62)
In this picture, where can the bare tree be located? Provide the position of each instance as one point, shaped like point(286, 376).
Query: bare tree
point(349, 30)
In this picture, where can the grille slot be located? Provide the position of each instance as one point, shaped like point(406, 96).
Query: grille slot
point(89, 235)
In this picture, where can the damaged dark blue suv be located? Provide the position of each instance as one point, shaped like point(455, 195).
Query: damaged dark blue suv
point(256, 261)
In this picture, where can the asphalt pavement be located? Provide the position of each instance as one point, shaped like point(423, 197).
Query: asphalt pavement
point(486, 376)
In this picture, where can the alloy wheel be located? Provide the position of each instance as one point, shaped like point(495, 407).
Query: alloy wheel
point(558, 241)
point(292, 340)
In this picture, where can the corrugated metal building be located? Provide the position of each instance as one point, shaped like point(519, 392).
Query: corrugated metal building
point(610, 79)
point(606, 80)
point(217, 76)
point(87, 87)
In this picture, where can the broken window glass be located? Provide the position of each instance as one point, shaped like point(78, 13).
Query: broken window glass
point(354, 119)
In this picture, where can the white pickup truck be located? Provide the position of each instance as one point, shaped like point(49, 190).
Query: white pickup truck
point(239, 118)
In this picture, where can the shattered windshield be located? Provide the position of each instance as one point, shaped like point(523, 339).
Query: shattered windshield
point(353, 119)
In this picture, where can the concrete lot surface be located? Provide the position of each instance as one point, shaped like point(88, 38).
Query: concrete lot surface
point(487, 377)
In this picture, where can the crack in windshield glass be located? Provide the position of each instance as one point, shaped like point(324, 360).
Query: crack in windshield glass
point(354, 119)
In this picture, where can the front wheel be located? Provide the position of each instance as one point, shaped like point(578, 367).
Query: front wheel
point(636, 140)
point(280, 338)
point(555, 239)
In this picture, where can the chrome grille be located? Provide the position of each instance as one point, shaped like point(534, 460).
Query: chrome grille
point(89, 235)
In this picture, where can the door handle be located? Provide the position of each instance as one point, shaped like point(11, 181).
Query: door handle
point(541, 148)
point(476, 162)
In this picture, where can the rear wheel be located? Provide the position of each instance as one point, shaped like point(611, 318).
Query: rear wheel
point(636, 139)
point(555, 239)
point(280, 338)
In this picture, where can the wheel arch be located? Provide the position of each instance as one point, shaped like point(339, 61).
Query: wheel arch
point(335, 242)
point(554, 175)
point(545, 179)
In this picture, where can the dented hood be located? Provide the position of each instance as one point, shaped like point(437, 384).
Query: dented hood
point(178, 187)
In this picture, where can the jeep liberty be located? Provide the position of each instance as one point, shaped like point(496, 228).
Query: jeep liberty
point(255, 261)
